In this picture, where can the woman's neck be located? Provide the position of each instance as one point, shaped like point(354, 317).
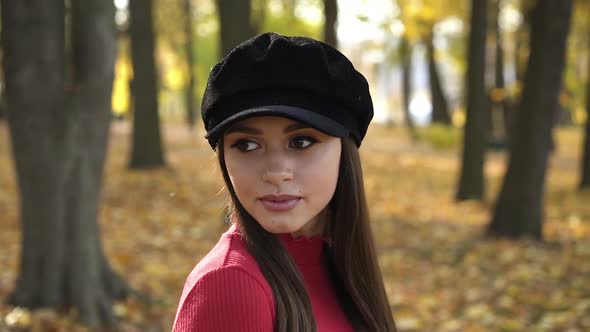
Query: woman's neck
point(315, 227)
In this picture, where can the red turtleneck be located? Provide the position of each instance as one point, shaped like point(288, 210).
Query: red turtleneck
point(226, 291)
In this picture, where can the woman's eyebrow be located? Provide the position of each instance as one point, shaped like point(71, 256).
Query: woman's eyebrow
point(295, 126)
point(256, 131)
point(243, 129)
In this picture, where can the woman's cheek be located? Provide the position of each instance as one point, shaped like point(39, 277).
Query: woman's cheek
point(250, 187)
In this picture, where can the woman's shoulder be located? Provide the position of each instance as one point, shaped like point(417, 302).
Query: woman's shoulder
point(229, 255)
point(226, 281)
point(228, 298)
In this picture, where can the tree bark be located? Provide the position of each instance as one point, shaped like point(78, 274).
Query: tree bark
point(59, 133)
point(497, 102)
point(146, 149)
point(2, 100)
point(440, 108)
point(190, 89)
point(330, 20)
point(406, 56)
point(234, 23)
point(471, 180)
point(499, 50)
point(519, 208)
point(522, 39)
point(2, 106)
point(503, 105)
point(585, 178)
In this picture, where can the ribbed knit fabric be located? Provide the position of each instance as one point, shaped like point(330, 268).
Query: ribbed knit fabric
point(226, 291)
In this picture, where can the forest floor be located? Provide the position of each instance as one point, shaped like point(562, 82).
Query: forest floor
point(441, 273)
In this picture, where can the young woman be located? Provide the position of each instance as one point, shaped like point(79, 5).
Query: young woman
point(286, 116)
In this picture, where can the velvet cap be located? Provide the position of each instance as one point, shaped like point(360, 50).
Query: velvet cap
point(294, 77)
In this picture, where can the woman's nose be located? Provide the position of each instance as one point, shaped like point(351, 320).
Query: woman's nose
point(278, 170)
point(277, 176)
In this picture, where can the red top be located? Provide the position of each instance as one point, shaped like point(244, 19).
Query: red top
point(227, 291)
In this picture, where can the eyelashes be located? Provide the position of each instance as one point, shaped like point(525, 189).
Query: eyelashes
point(245, 145)
point(300, 142)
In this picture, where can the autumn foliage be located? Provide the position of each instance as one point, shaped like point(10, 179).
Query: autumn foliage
point(441, 274)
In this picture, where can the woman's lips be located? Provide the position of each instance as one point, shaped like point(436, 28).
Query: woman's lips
point(280, 202)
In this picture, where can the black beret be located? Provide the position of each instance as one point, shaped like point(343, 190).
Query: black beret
point(294, 77)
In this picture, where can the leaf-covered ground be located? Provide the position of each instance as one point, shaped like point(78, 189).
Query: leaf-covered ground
point(441, 273)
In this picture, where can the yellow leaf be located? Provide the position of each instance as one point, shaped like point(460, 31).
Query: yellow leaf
point(18, 318)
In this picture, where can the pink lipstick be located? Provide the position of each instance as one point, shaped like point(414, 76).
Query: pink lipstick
point(279, 202)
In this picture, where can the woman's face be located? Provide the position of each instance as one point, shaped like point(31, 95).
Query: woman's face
point(283, 172)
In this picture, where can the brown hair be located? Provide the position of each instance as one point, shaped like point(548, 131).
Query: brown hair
point(350, 255)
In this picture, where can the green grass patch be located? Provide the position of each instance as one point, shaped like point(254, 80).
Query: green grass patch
point(441, 137)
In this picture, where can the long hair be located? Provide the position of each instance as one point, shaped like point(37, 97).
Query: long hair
point(350, 254)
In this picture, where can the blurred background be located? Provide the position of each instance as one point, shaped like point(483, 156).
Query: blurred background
point(477, 162)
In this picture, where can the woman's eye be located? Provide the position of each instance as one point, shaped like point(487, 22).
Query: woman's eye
point(245, 145)
point(302, 142)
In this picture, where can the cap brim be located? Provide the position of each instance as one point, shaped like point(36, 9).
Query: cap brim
point(312, 119)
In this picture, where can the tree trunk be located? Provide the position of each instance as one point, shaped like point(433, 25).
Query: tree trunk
point(471, 181)
point(146, 149)
point(440, 108)
point(406, 56)
point(2, 100)
point(190, 89)
point(330, 19)
point(497, 101)
point(2, 106)
point(499, 50)
point(522, 40)
point(519, 208)
point(585, 178)
point(59, 133)
point(502, 106)
point(234, 23)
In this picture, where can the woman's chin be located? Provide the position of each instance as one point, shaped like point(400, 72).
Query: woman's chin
point(279, 226)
